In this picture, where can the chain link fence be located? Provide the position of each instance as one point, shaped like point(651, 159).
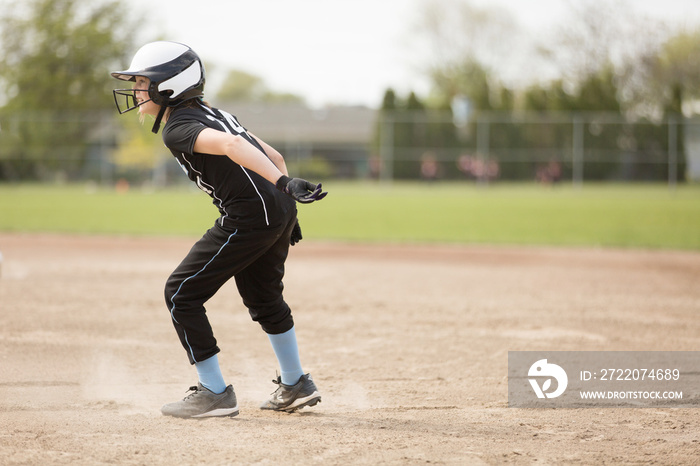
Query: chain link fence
point(548, 148)
point(368, 144)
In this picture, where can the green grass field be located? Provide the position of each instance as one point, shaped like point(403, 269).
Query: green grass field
point(616, 215)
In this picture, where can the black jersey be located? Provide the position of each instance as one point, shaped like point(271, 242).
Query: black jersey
point(244, 198)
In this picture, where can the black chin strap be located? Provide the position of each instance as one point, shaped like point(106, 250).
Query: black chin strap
point(156, 124)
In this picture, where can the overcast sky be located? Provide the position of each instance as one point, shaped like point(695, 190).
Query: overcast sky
point(337, 51)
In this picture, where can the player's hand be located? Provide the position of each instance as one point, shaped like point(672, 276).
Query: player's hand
point(296, 234)
point(300, 190)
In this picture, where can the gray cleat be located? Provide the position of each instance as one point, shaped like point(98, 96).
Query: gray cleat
point(203, 403)
point(289, 398)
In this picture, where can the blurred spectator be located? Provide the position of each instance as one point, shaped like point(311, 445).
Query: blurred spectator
point(549, 173)
point(475, 168)
point(429, 167)
point(375, 167)
point(465, 164)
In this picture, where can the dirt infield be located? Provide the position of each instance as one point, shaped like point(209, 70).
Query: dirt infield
point(407, 344)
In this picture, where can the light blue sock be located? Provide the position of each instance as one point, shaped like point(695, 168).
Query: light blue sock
point(209, 374)
point(287, 352)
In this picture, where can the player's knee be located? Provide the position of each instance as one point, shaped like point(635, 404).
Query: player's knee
point(171, 288)
point(275, 318)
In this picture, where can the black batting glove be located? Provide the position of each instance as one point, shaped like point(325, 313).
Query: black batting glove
point(300, 190)
point(296, 234)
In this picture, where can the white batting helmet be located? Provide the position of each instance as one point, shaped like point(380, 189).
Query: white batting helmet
point(175, 71)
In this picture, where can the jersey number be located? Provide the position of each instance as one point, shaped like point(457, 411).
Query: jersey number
point(233, 124)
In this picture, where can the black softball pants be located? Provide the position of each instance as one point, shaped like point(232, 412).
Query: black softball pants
point(255, 258)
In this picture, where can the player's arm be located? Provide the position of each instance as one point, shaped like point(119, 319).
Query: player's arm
point(274, 155)
point(211, 141)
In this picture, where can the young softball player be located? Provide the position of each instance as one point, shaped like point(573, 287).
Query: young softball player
point(248, 182)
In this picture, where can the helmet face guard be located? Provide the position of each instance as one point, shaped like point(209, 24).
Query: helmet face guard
point(125, 99)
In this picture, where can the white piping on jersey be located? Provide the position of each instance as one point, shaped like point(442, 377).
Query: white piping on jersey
point(267, 220)
point(207, 108)
point(172, 299)
point(206, 187)
point(233, 122)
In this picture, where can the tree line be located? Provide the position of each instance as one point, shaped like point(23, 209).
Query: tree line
point(636, 71)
